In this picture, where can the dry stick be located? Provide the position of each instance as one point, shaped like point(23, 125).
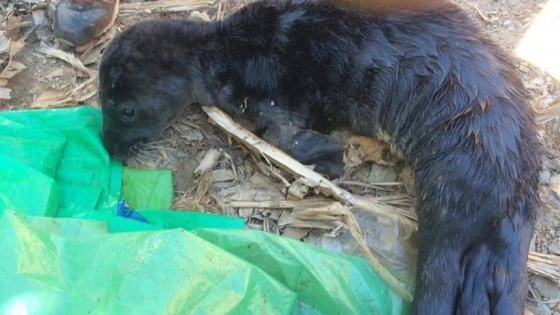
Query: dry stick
point(545, 115)
point(354, 229)
point(280, 204)
point(365, 185)
point(162, 5)
point(293, 166)
point(482, 15)
point(18, 25)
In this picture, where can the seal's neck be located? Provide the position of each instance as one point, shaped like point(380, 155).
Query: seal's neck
point(203, 60)
point(202, 83)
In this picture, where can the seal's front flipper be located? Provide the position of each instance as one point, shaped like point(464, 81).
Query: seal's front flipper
point(310, 147)
point(290, 132)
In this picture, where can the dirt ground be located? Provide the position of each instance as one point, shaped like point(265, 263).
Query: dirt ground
point(213, 173)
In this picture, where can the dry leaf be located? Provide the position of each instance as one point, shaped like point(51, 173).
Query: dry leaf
point(4, 43)
point(39, 18)
point(362, 149)
point(309, 216)
point(68, 57)
point(330, 209)
point(295, 233)
point(93, 54)
point(208, 162)
point(66, 99)
point(312, 203)
point(50, 97)
point(12, 28)
point(275, 215)
point(16, 47)
point(5, 93)
point(204, 183)
point(298, 190)
point(59, 72)
point(222, 175)
point(55, 98)
point(12, 69)
point(287, 219)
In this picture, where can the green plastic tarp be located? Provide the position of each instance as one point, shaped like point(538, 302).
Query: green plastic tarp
point(69, 247)
point(95, 272)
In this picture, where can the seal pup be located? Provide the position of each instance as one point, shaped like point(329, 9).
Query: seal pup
point(447, 97)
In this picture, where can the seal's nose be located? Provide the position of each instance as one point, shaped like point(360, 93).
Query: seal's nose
point(110, 141)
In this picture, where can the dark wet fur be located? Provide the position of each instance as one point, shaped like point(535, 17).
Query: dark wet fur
point(448, 97)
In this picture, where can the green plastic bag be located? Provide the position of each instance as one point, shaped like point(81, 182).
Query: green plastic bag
point(80, 269)
point(142, 189)
point(30, 146)
point(326, 282)
point(25, 189)
point(84, 170)
point(73, 266)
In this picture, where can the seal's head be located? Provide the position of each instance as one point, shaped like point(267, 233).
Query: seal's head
point(141, 89)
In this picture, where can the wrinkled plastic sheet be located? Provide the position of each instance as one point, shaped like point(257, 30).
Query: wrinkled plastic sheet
point(85, 270)
point(65, 145)
point(69, 246)
point(139, 186)
point(74, 266)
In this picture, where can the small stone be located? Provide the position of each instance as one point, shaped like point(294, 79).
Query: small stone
point(381, 174)
point(507, 22)
point(554, 247)
point(197, 16)
point(545, 176)
point(538, 308)
point(148, 11)
point(555, 179)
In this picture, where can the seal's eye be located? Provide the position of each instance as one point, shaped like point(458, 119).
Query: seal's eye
point(128, 114)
